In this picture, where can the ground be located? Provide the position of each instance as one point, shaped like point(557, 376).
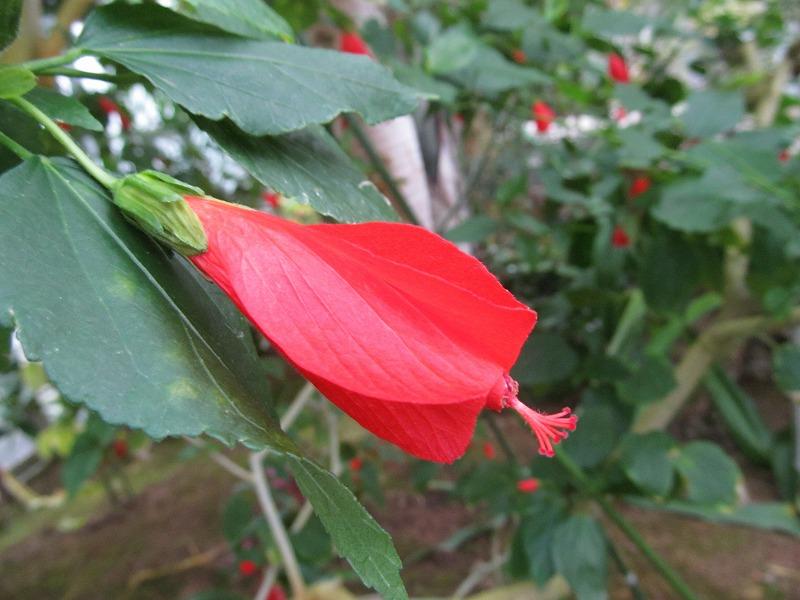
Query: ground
point(166, 543)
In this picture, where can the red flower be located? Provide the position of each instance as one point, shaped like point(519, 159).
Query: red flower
point(639, 186)
point(618, 68)
point(356, 463)
point(271, 198)
point(248, 568)
point(519, 56)
point(276, 593)
point(528, 486)
point(353, 44)
point(543, 115)
point(120, 448)
point(784, 155)
point(108, 106)
point(620, 238)
point(489, 451)
point(396, 326)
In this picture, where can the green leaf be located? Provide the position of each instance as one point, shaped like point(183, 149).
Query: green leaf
point(688, 206)
point(81, 463)
point(248, 18)
point(740, 414)
point(16, 81)
point(710, 475)
point(650, 381)
point(545, 358)
point(646, 460)
point(536, 534)
point(450, 51)
point(10, 11)
point(63, 108)
point(356, 535)
point(121, 327)
point(786, 363)
point(579, 554)
point(264, 87)
point(474, 229)
point(433, 88)
point(509, 15)
point(237, 517)
point(600, 425)
point(639, 149)
point(712, 111)
point(668, 271)
point(610, 23)
point(490, 73)
point(307, 166)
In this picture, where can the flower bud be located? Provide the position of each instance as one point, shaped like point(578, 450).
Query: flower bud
point(154, 202)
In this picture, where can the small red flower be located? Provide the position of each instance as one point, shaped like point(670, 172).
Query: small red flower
point(620, 238)
point(528, 486)
point(353, 44)
point(489, 451)
point(248, 568)
point(639, 186)
point(404, 332)
point(271, 198)
point(543, 114)
point(618, 68)
point(120, 448)
point(784, 155)
point(108, 106)
point(356, 463)
point(276, 593)
point(519, 56)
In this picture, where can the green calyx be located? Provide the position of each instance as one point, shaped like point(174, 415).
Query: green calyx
point(155, 203)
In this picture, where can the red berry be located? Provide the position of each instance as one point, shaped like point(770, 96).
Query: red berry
point(784, 156)
point(353, 44)
point(276, 593)
point(620, 238)
point(543, 114)
point(528, 486)
point(248, 568)
point(639, 186)
point(120, 448)
point(356, 463)
point(519, 56)
point(488, 450)
point(618, 68)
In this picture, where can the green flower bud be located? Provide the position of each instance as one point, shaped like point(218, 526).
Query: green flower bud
point(155, 203)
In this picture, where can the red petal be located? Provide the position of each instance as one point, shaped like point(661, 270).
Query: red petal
point(396, 326)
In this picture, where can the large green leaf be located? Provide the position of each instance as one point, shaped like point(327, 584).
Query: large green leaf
point(490, 73)
point(579, 553)
point(121, 327)
point(786, 363)
point(647, 461)
point(15, 81)
point(10, 11)
point(354, 532)
point(307, 166)
point(712, 111)
point(249, 18)
point(264, 87)
point(545, 358)
point(509, 15)
point(611, 23)
point(709, 474)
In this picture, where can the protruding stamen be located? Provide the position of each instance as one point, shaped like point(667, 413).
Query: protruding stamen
point(548, 429)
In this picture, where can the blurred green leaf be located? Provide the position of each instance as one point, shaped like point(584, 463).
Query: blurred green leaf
point(490, 73)
point(474, 229)
point(15, 81)
point(579, 554)
point(450, 51)
point(709, 474)
point(236, 517)
point(600, 426)
point(647, 461)
point(10, 11)
point(508, 15)
point(63, 108)
point(651, 380)
point(610, 23)
point(545, 358)
point(786, 363)
point(712, 111)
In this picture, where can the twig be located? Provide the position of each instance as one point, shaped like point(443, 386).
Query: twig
point(270, 575)
point(628, 574)
point(191, 562)
point(276, 526)
point(297, 405)
point(222, 460)
point(478, 574)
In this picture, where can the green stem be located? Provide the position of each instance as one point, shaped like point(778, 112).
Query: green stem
point(100, 174)
point(78, 74)
point(16, 148)
point(377, 163)
point(500, 436)
point(667, 572)
point(42, 64)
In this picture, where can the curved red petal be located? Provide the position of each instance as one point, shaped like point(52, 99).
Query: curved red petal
point(399, 328)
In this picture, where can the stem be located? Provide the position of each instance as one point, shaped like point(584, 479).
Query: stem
point(297, 405)
point(54, 61)
point(268, 580)
point(377, 163)
point(669, 575)
point(628, 574)
point(501, 438)
point(16, 148)
point(78, 74)
point(100, 174)
point(276, 526)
